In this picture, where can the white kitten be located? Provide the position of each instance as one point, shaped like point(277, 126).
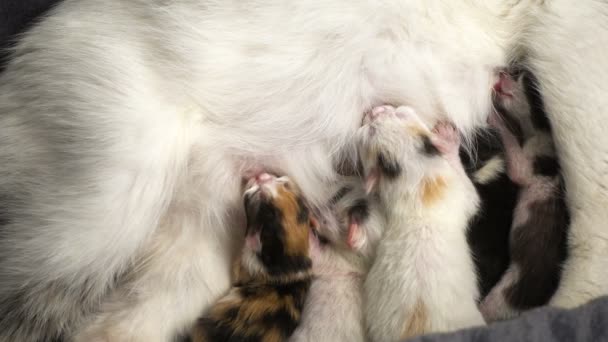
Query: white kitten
point(334, 307)
point(423, 277)
point(125, 126)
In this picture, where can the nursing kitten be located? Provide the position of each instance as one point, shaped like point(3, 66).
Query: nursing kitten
point(422, 279)
point(488, 233)
point(275, 269)
point(125, 127)
point(538, 238)
point(334, 307)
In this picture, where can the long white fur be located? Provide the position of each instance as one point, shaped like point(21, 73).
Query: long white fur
point(125, 125)
point(572, 78)
point(422, 261)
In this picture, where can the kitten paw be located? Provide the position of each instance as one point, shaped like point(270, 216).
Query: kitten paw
point(447, 138)
point(378, 112)
point(387, 111)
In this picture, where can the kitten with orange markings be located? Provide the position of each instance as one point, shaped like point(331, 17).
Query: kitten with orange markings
point(275, 270)
point(422, 279)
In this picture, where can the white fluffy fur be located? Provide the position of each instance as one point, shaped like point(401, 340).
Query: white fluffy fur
point(126, 125)
point(334, 307)
point(572, 79)
point(423, 261)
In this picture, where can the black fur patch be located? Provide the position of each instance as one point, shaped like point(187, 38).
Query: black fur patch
point(272, 238)
point(390, 168)
point(539, 248)
point(359, 211)
point(323, 240)
point(428, 148)
point(302, 211)
point(535, 100)
point(280, 317)
point(487, 144)
point(511, 123)
point(221, 331)
point(297, 289)
point(488, 233)
point(283, 320)
point(546, 166)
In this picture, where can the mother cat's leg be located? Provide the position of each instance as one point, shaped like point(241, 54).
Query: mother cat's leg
point(568, 51)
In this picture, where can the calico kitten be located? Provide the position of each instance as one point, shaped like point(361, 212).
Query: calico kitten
point(538, 238)
point(488, 233)
point(275, 269)
point(423, 269)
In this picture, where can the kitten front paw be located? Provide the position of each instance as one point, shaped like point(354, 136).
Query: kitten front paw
point(390, 112)
point(446, 138)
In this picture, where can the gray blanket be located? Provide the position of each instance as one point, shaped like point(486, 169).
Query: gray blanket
point(586, 323)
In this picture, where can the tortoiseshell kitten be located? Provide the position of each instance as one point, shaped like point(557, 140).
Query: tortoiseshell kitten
point(274, 272)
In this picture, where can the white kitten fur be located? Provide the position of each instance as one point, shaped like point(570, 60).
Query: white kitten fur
point(334, 306)
point(422, 279)
point(126, 125)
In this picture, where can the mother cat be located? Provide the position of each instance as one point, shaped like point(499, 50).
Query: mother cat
point(126, 125)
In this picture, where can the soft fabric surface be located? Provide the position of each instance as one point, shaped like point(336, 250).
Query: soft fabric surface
point(587, 323)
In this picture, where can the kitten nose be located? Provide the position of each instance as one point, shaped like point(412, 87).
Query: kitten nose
point(504, 85)
point(376, 112)
point(263, 178)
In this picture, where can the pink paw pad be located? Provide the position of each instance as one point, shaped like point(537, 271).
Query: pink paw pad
point(376, 112)
point(447, 138)
point(405, 112)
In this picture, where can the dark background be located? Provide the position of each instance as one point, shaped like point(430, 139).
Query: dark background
point(17, 15)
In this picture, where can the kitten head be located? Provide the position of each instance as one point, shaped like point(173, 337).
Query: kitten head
point(518, 100)
point(510, 98)
point(395, 145)
point(279, 225)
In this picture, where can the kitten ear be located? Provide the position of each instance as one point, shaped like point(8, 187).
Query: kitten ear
point(371, 180)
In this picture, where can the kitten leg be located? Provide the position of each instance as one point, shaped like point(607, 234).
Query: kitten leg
point(519, 168)
point(495, 306)
point(447, 140)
